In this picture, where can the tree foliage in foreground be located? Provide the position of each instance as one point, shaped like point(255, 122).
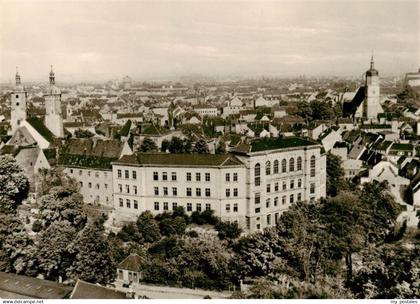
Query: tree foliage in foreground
point(14, 185)
point(148, 145)
point(201, 147)
point(335, 175)
point(91, 252)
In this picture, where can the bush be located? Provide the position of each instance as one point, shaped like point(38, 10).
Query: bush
point(130, 232)
point(36, 226)
point(148, 227)
point(170, 226)
point(228, 230)
point(192, 234)
point(197, 219)
point(209, 217)
point(205, 217)
point(180, 212)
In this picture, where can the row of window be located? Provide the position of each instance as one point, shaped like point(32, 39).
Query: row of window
point(257, 200)
point(128, 203)
point(164, 176)
point(198, 192)
point(127, 188)
point(99, 199)
point(284, 185)
point(188, 176)
point(235, 192)
point(166, 191)
point(257, 168)
point(235, 208)
point(127, 174)
point(89, 173)
point(189, 208)
point(97, 186)
point(269, 222)
point(234, 177)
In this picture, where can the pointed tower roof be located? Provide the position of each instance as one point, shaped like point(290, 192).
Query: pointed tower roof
point(17, 77)
point(52, 76)
point(372, 71)
point(53, 90)
point(18, 84)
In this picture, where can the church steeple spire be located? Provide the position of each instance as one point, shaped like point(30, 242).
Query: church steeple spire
point(18, 82)
point(52, 76)
point(372, 71)
point(372, 63)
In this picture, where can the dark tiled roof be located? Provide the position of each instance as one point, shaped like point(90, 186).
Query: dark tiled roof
point(92, 147)
point(84, 290)
point(51, 155)
point(351, 136)
point(164, 159)
point(32, 287)
point(350, 108)
point(132, 263)
point(402, 147)
point(74, 124)
point(383, 145)
point(129, 115)
point(289, 119)
point(39, 126)
point(90, 153)
point(9, 149)
point(279, 143)
point(375, 127)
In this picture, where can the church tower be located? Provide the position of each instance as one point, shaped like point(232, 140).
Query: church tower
point(18, 107)
point(53, 117)
point(372, 106)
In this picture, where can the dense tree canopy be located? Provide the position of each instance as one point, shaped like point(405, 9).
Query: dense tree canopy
point(53, 250)
point(92, 256)
point(335, 175)
point(148, 145)
point(14, 242)
point(148, 227)
point(315, 110)
point(62, 204)
point(201, 147)
point(55, 177)
point(178, 145)
point(14, 184)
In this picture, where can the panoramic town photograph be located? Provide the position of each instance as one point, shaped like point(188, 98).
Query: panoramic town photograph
point(209, 150)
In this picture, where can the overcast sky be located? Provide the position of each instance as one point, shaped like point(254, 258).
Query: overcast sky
point(144, 39)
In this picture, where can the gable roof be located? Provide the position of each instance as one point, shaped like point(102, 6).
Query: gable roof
point(33, 287)
point(39, 126)
point(350, 108)
point(165, 159)
point(85, 290)
point(22, 137)
point(93, 153)
point(274, 144)
point(9, 149)
point(133, 263)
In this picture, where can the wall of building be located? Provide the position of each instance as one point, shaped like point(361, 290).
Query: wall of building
point(95, 185)
point(285, 188)
point(141, 190)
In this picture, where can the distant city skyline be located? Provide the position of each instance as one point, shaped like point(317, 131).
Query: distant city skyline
point(103, 40)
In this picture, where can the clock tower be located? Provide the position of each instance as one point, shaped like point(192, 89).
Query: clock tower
point(18, 106)
point(53, 117)
point(372, 106)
